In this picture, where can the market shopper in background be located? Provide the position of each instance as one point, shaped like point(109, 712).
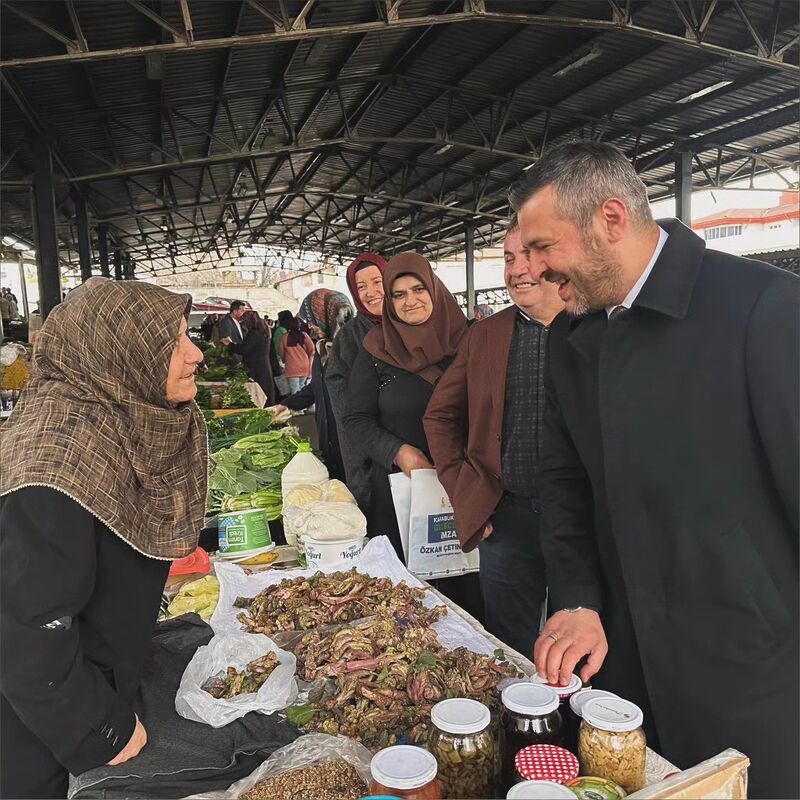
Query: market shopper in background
point(326, 311)
point(365, 282)
point(255, 352)
point(108, 488)
point(482, 311)
point(484, 426)
point(230, 326)
point(669, 477)
point(390, 386)
point(281, 329)
point(297, 353)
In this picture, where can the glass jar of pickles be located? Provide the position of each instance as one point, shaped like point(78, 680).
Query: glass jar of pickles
point(405, 772)
point(574, 715)
point(463, 744)
point(530, 716)
point(611, 742)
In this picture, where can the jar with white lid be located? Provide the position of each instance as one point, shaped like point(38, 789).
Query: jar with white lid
point(406, 772)
point(574, 715)
point(611, 742)
point(530, 716)
point(539, 790)
point(564, 692)
point(463, 744)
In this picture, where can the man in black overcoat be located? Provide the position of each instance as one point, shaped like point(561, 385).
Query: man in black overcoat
point(669, 479)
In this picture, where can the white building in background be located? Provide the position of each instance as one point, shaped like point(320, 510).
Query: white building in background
point(750, 231)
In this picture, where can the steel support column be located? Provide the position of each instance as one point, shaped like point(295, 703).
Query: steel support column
point(102, 248)
point(129, 269)
point(469, 243)
point(118, 265)
point(84, 242)
point(44, 221)
point(683, 187)
point(23, 287)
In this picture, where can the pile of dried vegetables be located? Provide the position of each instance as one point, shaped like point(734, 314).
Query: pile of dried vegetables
point(323, 599)
point(326, 780)
point(248, 681)
point(378, 699)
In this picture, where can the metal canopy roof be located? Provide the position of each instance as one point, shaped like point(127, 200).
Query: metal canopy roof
point(193, 127)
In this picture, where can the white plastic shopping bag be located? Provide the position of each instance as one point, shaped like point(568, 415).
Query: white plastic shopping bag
point(235, 650)
point(433, 550)
point(400, 485)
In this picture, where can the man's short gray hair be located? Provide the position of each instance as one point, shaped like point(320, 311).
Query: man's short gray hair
point(584, 174)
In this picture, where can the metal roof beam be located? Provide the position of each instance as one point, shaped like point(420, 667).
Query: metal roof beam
point(177, 34)
point(72, 45)
point(322, 31)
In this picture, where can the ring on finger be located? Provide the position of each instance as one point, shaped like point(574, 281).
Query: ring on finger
point(553, 636)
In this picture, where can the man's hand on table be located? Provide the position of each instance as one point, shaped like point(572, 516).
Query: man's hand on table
point(135, 744)
point(567, 637)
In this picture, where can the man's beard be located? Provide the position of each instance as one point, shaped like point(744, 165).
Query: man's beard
point(597, 281)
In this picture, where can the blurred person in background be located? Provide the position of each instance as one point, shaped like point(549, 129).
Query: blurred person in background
point(255, 350)
point(328, 309)
point(297, 353)
point(365, 282)
point(230, 326)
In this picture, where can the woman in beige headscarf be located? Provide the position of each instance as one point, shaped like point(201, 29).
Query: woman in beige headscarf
point(102, 484)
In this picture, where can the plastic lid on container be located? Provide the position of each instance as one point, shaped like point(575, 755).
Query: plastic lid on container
point(613, 714)
point(546, 762)
point(460, 716)
point(539, 790)
point(581, 698)
point(531, 699)
point(563, 692)
point(403, 767)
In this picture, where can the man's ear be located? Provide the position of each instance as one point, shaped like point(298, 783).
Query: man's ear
point(612, 217)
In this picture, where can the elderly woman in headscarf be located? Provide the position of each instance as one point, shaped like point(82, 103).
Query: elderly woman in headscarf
point(365, 282)
point(254, 350)
point(326, 311)
point(103, 469)
point(390, 386)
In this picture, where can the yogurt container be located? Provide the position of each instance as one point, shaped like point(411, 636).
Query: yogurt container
point(321, 554)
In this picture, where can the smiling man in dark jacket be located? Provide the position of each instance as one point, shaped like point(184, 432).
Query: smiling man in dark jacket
point(669, 477)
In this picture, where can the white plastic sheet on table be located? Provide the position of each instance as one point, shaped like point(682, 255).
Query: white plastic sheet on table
point(378, 559)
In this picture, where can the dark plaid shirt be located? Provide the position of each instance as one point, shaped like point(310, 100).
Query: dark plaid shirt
point(524, 408)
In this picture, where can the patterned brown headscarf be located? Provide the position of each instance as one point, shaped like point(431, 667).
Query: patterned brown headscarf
point(93, 421)
point(417, 348)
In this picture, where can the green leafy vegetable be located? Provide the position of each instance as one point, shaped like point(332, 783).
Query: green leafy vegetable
point(426, 660)
point(300, 716)
point(236, 396)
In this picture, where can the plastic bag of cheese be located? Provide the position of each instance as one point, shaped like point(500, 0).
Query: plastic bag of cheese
point(326, 521)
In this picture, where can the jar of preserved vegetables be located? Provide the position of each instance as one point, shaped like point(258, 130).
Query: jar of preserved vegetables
point(463, 744)
point(611, 742)
point(530, 716)
point(406, 772)
point(545, 762)
point(574, 715)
